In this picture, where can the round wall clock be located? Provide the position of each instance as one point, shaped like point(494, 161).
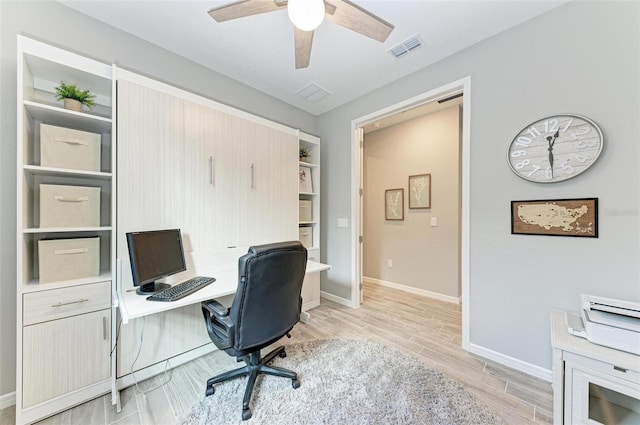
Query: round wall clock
point(555, 148)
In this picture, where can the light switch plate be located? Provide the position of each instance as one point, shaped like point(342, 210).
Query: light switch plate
point(343, 222)
point(434, 221)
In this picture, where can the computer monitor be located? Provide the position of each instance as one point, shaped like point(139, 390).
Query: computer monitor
point(155, 254)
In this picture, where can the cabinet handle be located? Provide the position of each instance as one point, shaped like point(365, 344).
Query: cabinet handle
point(70, 141)
point(211, 172)
point(81, 300)
point(253, 175)
point(67, 199)
point(619, 369)
point(104, 328)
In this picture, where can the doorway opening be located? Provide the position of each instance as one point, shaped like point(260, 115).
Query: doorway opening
point(455, 88)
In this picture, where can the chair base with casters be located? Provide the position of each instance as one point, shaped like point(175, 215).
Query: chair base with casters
point(254, 367)
point(266, 306)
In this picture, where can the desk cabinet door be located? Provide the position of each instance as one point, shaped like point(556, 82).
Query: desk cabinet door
point(64, 355)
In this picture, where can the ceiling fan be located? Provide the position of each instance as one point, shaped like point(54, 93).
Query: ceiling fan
point(306, 16)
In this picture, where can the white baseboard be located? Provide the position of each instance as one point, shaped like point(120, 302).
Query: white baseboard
point(339, 300)
point(7, 400)
point(528, 368)
point(422, 292)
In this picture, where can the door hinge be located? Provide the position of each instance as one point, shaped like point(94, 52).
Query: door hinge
point(360, 191)
point(360, 239)
point(361, 286)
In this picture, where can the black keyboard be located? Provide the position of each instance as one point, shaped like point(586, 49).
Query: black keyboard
point(182, 289)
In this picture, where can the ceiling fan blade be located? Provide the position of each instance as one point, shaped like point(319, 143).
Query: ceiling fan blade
point(303, 40)
point(243, 8)
point(359, 20)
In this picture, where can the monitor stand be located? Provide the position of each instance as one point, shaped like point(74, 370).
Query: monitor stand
point(151, 288)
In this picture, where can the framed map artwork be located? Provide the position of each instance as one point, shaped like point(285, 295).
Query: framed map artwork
point(555, 217)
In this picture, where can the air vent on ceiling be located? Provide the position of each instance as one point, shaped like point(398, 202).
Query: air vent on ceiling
point(312, 92)
point(406, 47)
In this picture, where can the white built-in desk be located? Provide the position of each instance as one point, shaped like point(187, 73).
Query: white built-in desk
point(224, 267)
point(592, 384)
point(132, 305)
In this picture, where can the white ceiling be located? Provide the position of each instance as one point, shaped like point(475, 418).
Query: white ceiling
point(258, 50)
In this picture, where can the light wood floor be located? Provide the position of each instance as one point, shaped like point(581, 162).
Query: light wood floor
point(427, 328)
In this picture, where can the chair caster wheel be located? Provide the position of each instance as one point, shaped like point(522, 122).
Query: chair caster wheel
point(295, 383)
point(283, 354)
point(246, 414)
point(210, 391)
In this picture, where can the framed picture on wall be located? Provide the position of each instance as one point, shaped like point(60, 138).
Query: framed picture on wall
point(555, 217)
point(420, 191)
point(305, 185)
point(394, 204)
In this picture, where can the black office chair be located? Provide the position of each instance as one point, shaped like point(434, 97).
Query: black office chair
point(265, 308)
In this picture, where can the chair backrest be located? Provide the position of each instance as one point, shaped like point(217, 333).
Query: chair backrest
point(267, 303)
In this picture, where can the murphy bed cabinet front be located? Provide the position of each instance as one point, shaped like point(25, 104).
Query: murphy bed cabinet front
point(63, 316)
point(224, 177)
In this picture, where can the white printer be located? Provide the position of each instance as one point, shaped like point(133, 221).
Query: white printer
point(609, 322)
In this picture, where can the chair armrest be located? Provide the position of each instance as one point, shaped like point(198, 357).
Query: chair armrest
point(215, 308)
point(219, 326)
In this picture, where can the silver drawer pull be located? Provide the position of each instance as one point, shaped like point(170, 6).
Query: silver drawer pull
point(104, 328)
point(67, 199)
point(70, 251)
point(71, 141)
point(81, 300)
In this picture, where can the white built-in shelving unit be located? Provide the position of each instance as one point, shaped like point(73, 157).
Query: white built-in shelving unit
point(64, 327)
point(312, 163)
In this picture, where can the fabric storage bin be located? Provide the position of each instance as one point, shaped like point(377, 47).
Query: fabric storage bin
point(62, 147)
point(305, 235)
point(65, 259)
point(305, 211)
point(69, 206)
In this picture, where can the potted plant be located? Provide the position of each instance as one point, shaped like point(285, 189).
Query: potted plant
point(304, 154)
point(73, 97)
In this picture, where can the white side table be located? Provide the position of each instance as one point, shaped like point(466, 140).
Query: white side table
point(592, 384)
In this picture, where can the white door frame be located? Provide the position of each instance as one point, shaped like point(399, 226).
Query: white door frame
point(460, 86)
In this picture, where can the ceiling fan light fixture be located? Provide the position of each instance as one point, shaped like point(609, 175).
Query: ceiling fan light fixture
point(307, 15)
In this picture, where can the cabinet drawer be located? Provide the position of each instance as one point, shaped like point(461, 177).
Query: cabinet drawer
point(58, 303)
point(604, 367)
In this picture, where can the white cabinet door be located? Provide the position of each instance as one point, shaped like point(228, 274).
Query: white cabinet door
point(64, 355)
point(200, 183)
point(151, 185)
point(269, 212)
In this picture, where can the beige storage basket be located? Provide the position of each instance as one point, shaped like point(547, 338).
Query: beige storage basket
point(305, 211)
point(306, 236)
point(69, 206)
point(62, 147)
point(66, 259)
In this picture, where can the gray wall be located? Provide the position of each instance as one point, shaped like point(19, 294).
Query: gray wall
point(582, 57)
point(63, 27)
point(424, 257)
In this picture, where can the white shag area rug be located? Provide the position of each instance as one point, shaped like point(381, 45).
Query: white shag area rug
point(346, 382)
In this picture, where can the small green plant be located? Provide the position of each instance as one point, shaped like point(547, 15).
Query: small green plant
point(304, 153)
point(71, 91)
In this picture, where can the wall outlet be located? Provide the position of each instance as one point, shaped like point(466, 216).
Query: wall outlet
point(389, 262)
point(434, 221)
